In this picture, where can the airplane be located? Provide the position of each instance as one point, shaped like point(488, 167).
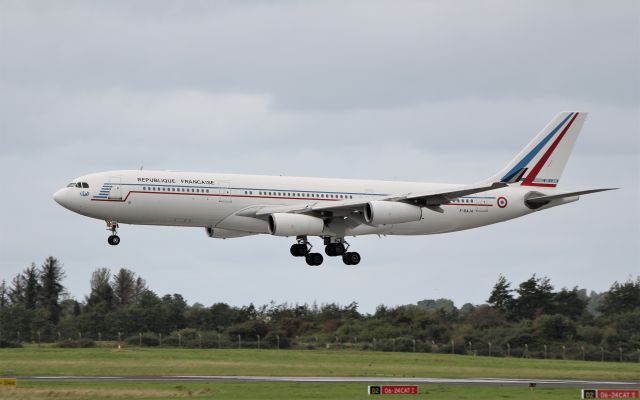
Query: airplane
point(232, 206)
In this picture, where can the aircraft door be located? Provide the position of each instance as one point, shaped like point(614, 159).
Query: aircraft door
point(225, 192)
point(116, 188)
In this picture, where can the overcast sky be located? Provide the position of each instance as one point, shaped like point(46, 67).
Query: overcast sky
point(436, 91)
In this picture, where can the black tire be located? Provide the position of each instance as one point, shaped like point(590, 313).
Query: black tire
point(338, 249)
point(355, 258)
point(351, 258)
point(299, 250)
point(346, 258)
point(330, 250)
point(317, 258)
point(114, 240)
point(309, 259)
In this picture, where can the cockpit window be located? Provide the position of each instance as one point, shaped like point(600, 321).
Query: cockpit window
point(85, 185)
point(78, 185)
point(72, 184)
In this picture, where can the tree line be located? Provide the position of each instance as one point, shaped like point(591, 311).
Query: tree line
point(530, 319)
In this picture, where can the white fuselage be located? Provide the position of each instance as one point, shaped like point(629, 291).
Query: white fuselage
point(214, 201)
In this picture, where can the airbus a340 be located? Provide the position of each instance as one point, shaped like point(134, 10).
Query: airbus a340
point(231, 206)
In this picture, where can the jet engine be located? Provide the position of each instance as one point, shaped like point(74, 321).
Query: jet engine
point(390, 212)
point(283, 224)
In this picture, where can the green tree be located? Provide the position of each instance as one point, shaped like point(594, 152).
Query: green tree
point(445, 305)
point(17, 290)
point(554, 327)
point(569, 303)
point(31, 287)
point(621, 298)
point(127, 287)
point(4, 295)
point(101, 298)
point(534, 298)
point(51, 276)
point(174, 308)
point(500, 297)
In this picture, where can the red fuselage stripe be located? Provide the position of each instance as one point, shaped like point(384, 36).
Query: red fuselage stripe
point(529, 180)
point(217, 195)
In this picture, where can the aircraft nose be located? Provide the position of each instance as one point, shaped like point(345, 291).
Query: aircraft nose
point(59, 196)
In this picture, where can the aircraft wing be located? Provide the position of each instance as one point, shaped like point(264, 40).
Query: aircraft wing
point(427, 199)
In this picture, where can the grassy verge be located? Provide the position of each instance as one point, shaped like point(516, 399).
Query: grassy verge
point(240, 391)
point(152, 361)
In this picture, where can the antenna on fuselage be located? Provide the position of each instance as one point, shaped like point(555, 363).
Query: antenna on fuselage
point(141, 167)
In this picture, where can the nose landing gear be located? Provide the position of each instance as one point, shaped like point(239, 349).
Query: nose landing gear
point(114, 239)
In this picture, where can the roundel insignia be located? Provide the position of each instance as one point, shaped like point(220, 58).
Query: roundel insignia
point(502, 202)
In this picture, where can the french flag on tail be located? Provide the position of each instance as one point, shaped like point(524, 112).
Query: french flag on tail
point(541, 162)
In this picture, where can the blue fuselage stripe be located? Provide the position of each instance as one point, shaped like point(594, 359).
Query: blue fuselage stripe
point(527, 159)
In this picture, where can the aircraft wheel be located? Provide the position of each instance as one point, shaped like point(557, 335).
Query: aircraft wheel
point(351, 258)
point(334, 249)
point(330, 250)
point(299, 250)
point(314, 259)
point(114, 240)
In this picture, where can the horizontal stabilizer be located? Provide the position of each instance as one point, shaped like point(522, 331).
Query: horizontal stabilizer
point(542, 200)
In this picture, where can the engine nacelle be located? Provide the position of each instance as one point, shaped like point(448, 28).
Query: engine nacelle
point(283, 224)
point(391, 212)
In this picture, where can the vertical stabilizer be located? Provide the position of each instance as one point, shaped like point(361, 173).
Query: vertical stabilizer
point(541, 163)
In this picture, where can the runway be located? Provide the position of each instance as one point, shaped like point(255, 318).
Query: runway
point(550, 383)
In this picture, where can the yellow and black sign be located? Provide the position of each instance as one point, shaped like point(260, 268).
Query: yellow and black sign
point(7, 382)
point(374, 390)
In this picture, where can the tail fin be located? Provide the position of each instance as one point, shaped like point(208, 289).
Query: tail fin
point(541, 163)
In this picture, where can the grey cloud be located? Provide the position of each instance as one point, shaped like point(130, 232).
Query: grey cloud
point(374, 55)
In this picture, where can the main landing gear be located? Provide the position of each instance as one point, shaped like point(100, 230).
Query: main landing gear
point(334, 247)
point(303, 249)
point(114, 239)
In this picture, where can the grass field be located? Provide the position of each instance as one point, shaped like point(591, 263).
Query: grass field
point(166, 361)
point(266, 391)
point(171, 361)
